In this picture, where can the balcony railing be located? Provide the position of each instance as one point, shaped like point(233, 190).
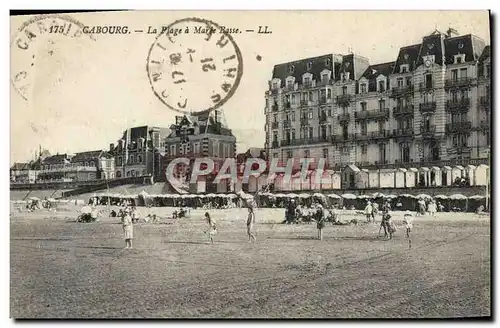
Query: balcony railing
point(403, 133)
point(371, 114)
point(459, 82)
point(274, 125)
point(399, 91)
point(403, 109)
point(373, 135)
point(305, 141)
point(344, 100)
point(322, 100)
point(343, 138)
point(427, 131)
point(304, 102)
point(307, 85)
point(427, 107)
point(426, 86)
point(458, 105)
point(343, 117)
point(458, 127)
point(484, 101)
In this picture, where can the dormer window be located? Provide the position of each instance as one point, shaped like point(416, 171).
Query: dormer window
point(362, 88)
point(307, 81)
point(327, 62)
point(275, 85)
point(403, 68)
point(346, 75)
point(291, 69)
point(289, 84)
point(309, 65)
point(324, 77)
point(459, 59)
point(381, 86)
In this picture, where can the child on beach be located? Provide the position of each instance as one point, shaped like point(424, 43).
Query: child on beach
point(408, 222)
point(320, 221)
point(250, 223)
point(128, 228)
point(212, 228)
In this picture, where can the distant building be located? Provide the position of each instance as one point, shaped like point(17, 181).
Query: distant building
point(23, 173)
point(137, 153)
point(84, 166)
point(201, 136)
point(428, 108)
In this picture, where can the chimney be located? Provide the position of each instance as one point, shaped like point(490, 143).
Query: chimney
point(216, 116)
point(111, 147)
point(451, 32)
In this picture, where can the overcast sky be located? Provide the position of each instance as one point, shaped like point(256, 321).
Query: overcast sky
point(85, 93)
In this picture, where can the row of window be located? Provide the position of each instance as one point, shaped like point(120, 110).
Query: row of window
point(185, 149)
point(139, 159)
point(60, 166)
point(291, 68)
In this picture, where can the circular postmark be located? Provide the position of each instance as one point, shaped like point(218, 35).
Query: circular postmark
point(36, 39)
point(194, 66)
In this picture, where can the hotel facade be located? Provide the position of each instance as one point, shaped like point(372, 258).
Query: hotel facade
point(430, 108)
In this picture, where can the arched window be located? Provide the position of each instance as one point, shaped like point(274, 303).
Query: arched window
point(92, 163)
point(118, 174)
point(139, 159)
point(132, 159)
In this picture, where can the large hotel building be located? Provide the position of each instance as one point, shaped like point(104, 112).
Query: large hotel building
point(429, 106)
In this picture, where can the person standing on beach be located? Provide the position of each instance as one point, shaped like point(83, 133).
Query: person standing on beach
point(250, 223)
point(128, 228)
point(320, 220)
point(368, 211)
point(212, 228)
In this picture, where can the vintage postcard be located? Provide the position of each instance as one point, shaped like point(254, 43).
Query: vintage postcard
point(250, 164)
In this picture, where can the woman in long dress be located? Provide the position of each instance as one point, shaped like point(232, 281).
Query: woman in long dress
point(212, 228)
point(128, 228)
point(250, 223)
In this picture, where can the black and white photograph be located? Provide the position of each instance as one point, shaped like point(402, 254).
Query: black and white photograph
point(250, 164)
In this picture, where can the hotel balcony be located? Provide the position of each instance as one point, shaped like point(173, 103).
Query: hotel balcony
point(374, 135)
point(403, 133)
point(343, 118)
point(274, 125)
point(371, 114)
point(275, 144)
point(287, 124)
point(304, 102)
point(427, 132)
point(323, 100)
point(460, 82)
point(344, 100)
point(458, 127)
point(305, 141)
point(426, 86)
point(343, 138)
point(402, 110)
point(427, 107)
point(287, 105)
point(304, 121)
point(461, 105)
point(400, 91)
point(306, 86)
point(485, 101)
